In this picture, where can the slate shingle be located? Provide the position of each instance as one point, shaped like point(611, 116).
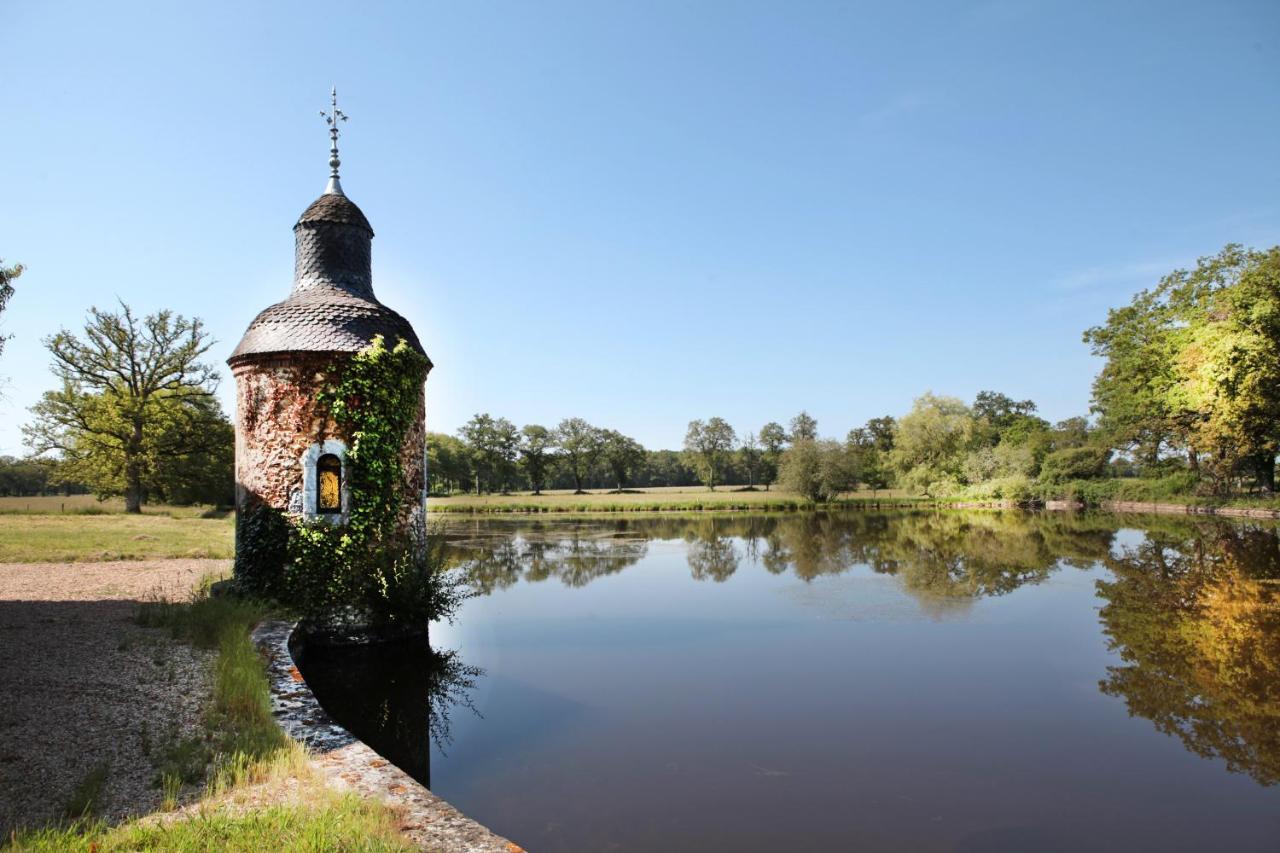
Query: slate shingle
point(332, 307)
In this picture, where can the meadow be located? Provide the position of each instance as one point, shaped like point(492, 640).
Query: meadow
point(80, 528)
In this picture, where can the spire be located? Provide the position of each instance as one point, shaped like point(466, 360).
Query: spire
point(331, 118)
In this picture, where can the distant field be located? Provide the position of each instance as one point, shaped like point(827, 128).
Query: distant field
point(81, 528)
point(64, 538)
point(690, 498)
point(89, 505)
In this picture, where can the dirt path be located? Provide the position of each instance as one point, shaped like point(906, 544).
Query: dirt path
point(83, 687)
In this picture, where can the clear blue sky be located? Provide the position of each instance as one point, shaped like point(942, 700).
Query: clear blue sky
point(642, 213)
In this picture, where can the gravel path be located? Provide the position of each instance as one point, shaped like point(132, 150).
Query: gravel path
point(82, 686)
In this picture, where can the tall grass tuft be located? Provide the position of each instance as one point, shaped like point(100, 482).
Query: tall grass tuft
point(86, 800)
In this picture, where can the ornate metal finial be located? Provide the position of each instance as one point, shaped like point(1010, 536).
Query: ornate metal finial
point(331, 118)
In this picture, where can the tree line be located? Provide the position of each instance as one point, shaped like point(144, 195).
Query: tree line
point(1187, 402)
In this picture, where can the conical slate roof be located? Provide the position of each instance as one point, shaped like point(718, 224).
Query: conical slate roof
point(335, 207)
point(332, 307)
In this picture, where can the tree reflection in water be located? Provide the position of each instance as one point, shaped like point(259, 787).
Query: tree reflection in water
point(1196, 621)
point(574, 553)
point(936, 555)
point(396, 697)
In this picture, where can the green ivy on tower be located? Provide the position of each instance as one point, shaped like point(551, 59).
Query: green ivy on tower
point(367, 570)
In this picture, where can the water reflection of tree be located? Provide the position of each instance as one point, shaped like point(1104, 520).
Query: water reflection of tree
point(957, 556)
point(396, 697)
point(1196, 622)
point(711, 553)
point(982, 554)
point(952, 555)
point(575, 554)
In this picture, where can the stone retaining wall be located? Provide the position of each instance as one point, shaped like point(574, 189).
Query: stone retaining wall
point(346, 762)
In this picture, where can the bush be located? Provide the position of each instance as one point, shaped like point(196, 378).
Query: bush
point(819, 470)
point(334, 580)
point(1074, 463)
point(1179, 486)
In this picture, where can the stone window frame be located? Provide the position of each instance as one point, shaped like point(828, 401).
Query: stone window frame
point(311, 482)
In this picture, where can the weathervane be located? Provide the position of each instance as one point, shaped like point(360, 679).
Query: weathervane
point(332, 118)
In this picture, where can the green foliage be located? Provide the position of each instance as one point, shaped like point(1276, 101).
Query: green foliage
point(204, 475)
point(818, 469)
point(332, 575)
point(448, 463)
point(134, 398)
point(377, 401)
point(366, 568)
point(622, 454)
point(997, 414)
point(804, 427)
point(750, 455)
point(1003, 460)
point(494, 444)
point(707, 447)
point(262, 550)
point(1178, 487)
point(30, 476)
point(930, 443)
point(1193, 367)
point(1016, 488)
point(773, 439)
point(1074, 463)
point(7, 276)
point(580, 445)
point(536, 454)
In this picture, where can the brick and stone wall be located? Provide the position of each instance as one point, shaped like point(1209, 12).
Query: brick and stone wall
point(278, 418)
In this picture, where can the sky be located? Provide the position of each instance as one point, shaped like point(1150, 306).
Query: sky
point(643, 213)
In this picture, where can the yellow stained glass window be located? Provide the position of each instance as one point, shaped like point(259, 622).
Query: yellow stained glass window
point(329, 484)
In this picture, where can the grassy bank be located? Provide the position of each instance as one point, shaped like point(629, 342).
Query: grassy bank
point(259, 792)
point(1092, 493)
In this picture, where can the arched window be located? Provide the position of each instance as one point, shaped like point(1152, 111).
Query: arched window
point(328, 484)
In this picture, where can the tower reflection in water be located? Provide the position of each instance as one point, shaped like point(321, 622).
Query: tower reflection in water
point(396, 697)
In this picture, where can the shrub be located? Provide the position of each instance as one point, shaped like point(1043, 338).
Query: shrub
point(334, 578)
point(1074, 463)
point(819, 470)
point(1015, 488)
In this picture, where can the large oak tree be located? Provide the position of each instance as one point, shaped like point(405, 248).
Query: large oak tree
point(135, 397)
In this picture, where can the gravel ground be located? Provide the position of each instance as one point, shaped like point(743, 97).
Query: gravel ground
point(82, 686)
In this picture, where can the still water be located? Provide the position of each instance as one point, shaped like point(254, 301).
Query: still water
point(857, 681)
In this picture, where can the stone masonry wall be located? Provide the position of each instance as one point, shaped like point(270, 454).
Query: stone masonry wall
point(278, 418)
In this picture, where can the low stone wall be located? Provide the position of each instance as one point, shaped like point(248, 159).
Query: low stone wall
point(348, 763)
point(1119, 506)
point(1189, 509)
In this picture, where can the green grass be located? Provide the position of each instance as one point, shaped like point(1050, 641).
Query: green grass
point(89, 505)
point(238, 718)
point(80, 538)
point(331, 822)
point(87, 796)
point(241, 746)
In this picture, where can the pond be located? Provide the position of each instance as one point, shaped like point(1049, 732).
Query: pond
point(857, 681)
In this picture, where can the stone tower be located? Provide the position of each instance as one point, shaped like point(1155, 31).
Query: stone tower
point(289, 450)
